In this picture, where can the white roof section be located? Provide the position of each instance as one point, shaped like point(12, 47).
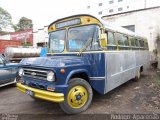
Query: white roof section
point(118, 29)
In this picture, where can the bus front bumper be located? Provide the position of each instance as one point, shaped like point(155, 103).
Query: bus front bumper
point(42, 94)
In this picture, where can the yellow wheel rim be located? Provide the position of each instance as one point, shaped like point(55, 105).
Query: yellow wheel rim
point(77, 97)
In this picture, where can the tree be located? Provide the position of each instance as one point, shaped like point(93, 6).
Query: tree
point(24, 23)
point(5, 20)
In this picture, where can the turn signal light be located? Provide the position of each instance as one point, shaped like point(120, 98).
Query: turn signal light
point(62, 71)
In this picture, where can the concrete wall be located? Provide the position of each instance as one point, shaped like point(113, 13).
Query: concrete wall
point(40, 36)
point(126, 5)
point(147, 23)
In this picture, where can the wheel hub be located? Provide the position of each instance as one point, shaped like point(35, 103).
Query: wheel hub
point(77, 97)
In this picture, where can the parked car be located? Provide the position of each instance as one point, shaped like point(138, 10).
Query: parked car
point(8, 72)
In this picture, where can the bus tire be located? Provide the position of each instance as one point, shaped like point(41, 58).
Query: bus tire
point(138, 75)
point(78, 97)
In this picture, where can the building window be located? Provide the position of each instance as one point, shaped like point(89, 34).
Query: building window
point(111, 2)
point(100, 4)
point(120, 0)
point(100, 13)
point(111, 10)
point(88, 7)
point(120, 9)
point(130, 27)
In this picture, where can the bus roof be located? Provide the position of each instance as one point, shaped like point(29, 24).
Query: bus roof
point(105, 24)
point(118, 28)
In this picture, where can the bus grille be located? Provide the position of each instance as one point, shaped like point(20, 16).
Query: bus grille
point(34, 73)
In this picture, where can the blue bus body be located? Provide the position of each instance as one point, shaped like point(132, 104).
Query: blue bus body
point(96, 67)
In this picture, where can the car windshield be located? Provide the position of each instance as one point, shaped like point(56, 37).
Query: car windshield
point(3, 59)
point(78, 36)
point(57, 41)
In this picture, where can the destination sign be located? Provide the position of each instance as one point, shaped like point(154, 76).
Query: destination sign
point(68, 23)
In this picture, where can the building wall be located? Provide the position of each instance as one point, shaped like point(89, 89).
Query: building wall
point(40, 36)
point(146, 22)
point(5, 37)
point(23, 36)
point(118, 6)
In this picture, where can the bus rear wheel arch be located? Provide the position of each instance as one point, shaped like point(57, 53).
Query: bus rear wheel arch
point(138, 73)
point(78, 97)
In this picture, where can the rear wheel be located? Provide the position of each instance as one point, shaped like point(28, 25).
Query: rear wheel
point(138, 75)
point(78, 97)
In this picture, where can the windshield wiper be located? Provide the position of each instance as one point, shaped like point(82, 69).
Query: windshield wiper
point(85, 46)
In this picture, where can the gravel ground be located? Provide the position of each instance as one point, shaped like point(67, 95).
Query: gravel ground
point(130, 98)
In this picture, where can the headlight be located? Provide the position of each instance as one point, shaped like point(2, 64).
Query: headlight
point(50, 76)
point(21, 72)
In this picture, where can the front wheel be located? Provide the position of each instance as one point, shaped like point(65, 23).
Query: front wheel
point(78, 97)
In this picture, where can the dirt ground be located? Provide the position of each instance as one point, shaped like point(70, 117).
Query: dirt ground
point(130, 98)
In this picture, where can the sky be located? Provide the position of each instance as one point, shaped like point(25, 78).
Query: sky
point(42, 12)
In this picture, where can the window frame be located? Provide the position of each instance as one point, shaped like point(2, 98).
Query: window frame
point(111, 11)
point(100, 13)
point(100, 4)
point(98, 27)
point(49, 44)
point(120, 9)
point(120, 0)
point(111, 1)
point(122, 46)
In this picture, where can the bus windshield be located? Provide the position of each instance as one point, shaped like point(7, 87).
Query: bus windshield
point(57, 41)
point(77, 38)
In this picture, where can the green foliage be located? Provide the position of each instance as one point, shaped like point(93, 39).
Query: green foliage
point(26, 44)
point(6, 22)
point(24, 23)
point(5, 19)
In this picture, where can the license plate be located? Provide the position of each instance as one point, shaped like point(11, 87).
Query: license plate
point(29, 92)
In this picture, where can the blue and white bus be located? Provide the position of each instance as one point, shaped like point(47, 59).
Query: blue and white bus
point(84, 53)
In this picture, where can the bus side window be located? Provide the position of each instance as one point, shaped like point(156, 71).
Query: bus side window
point(132, 42)
point(111, 41)
point(136, 43)
point(120, 41)
point(146, 45)
point(126, 42)
point(141, 43)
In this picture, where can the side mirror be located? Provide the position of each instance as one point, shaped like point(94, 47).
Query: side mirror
point(103, 40)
